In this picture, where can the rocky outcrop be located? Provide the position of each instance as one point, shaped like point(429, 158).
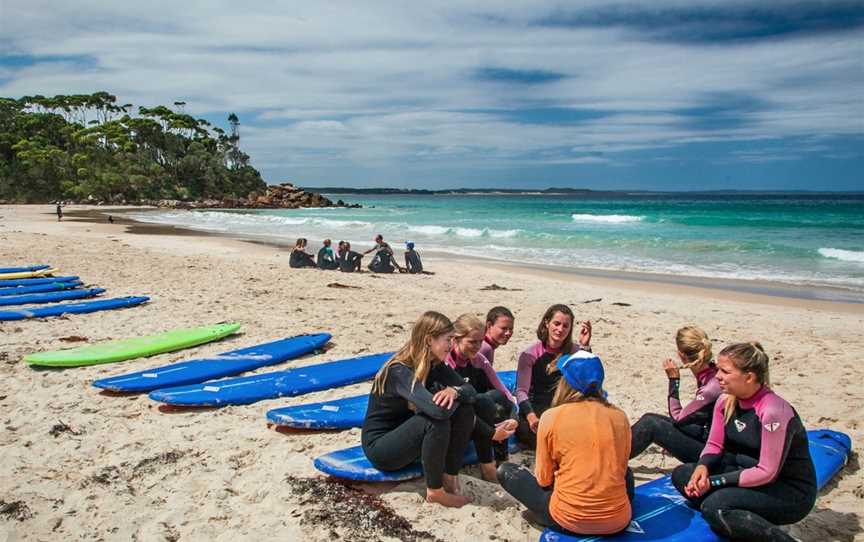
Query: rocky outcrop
point(281, 196)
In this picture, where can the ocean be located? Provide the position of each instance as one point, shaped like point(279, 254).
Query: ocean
point(806, 240)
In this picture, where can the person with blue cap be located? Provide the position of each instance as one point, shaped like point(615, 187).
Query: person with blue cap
point(581, 483)
point(412, 259)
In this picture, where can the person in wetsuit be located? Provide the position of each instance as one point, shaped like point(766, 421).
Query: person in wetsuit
point(349, 260)
point(59, 211)
point(299, 257)
point(581, 483)
point(420, 408)
point(537, 376)
point(499, 329)
point(326, 258)
point(412, 259)
point(494, 405)
point(756, 471)
point(384, 261)
point(684, 431)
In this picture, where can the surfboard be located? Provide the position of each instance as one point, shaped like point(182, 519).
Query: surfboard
point(26, 274)
point(6, 284)
point(660, 513)
point(135, 347)
point(23, 269)
point(250, 389)
point(225, 364)
point(40, 288)
point(73, 308)
point(342, 413)
point(49, 297)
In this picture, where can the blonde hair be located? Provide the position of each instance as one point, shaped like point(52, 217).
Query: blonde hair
point(694, 344)
point(747, 357)
point(565, 393)
point(467, 324)
point(416, 353)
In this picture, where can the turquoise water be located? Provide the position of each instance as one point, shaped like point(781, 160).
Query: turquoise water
point(807, 240)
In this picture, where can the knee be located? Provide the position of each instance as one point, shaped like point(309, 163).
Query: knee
point(439, 428)
point(505, 472)
point(681, 475)
point(713, 514)
point(650, 421)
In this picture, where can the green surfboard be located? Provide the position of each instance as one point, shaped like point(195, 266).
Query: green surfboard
point(136, 347)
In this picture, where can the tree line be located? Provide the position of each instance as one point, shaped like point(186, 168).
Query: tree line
point(89, 148)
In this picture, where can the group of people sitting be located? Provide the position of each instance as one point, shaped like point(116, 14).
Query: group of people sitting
point(349, 261)
point(747, 464)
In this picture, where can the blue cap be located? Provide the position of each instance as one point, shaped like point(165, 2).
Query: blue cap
point(583, 371)
point(409, 244)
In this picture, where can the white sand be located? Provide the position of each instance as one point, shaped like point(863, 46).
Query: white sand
point(228, 482)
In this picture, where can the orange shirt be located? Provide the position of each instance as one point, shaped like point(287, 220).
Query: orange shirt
point(583, 447)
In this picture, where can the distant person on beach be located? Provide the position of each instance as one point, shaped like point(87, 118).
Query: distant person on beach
point(59, 211)
point(412, 259)
point(756, 471)
point(581, 483)
point(494, 405)
point(537, 374)
point(299, 256)
point(499, 329)
point(110, 219)
point(326, 258)
point(349, 260)
point(684, 431)
point(420, 408)
point(384, 260)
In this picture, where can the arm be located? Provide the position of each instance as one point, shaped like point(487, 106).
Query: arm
point(490, 373)
point(705, 395)
point(544, 465)
point(408, 388)
point(524, 369)
point(713, 451)
point(446, 376)
point(673, 400)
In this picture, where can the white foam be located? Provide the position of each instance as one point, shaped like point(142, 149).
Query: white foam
point(840, 254)
point(609, 219)
point(429, 230)
point(468, 232)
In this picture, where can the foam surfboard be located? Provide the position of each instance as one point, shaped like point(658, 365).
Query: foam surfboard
point(23, 269)
point(660, 513)
point(49, 297)
point(342, 413)
point(225, 364)
point(40, 288)
point(249, 389)
point(135, 347)
point(26, 274)
point(6, 284)
point(73, 308)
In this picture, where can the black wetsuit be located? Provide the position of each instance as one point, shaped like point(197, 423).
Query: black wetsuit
point(300, 259)
point(326, 260)
point(349, 261)
point(761, 472)
point(382, 262)
point(412, 262)
point(394, 435)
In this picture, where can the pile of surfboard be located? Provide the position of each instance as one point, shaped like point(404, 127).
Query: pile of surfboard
point(36, 287)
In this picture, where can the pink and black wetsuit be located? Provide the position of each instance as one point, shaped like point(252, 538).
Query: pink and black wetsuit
point(761, 472)
point(698, 411)
point(488, 349)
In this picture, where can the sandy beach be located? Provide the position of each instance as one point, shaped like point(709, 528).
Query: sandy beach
point(81, 465)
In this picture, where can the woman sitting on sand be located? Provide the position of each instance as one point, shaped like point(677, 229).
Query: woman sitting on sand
point(537, 375)
point(299, 256)
point(494, 405)
point(756, 471)
point(349, 260)
point(582, 482)
point(420, 408)
point(683, 433)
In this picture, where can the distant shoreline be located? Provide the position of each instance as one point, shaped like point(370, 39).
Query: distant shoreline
point(573, 192)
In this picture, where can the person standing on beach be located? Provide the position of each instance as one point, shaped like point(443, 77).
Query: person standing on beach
point(419, 408)
point(59, 211)
point(499, 329)
point(326, 258)
point(683, 433)
point(756, 471)
point(537, 375)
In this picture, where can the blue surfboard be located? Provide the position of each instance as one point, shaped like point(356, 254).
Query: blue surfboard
point(73, 308)
point(249, 389)
point(342, 413)
point(30, 282)
point(660, 513)
point(49, 297)
point(40, 288)
point(225, 364)
point(23, 269)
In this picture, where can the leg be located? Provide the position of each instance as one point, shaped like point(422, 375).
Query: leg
point(418, 437)
point(526, 437)
point(752, 514)
point(661, 430)
point(461, 428)
point(521, 484)
point(484, 430)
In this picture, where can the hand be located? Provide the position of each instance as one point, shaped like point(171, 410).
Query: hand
point(445, 398)
point(585, 333)
point(699, 483)
point(533, 421)
point(671, 369)
point(504, 430)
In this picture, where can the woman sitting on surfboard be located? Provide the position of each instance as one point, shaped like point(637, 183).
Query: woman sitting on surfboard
point(683, 433)
point(756, 471)
point(537, 376)
point(494, 405)
point(582, 482)
point(299, 256)
point(420, 408)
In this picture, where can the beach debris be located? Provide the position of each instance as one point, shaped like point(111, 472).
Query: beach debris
point(15, 510)
point(351, 514)
point(619, 304)
point(165, 458)
point(495, 287)
point(339, 285)
point(599, 299)
point(62, 427)
point(74, 339)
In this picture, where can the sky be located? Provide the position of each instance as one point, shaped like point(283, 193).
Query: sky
point(655, 95)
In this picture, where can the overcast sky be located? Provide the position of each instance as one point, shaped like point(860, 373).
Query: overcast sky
point(661, 95)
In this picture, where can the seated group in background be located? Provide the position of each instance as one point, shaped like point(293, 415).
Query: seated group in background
point(349, 261)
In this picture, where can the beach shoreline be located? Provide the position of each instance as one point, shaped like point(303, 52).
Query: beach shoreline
point(126, 469)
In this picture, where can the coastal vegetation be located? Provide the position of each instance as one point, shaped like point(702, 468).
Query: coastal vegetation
point(89, 148)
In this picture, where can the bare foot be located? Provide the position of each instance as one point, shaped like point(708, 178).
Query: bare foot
point(487, 472)
point(446, 499)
